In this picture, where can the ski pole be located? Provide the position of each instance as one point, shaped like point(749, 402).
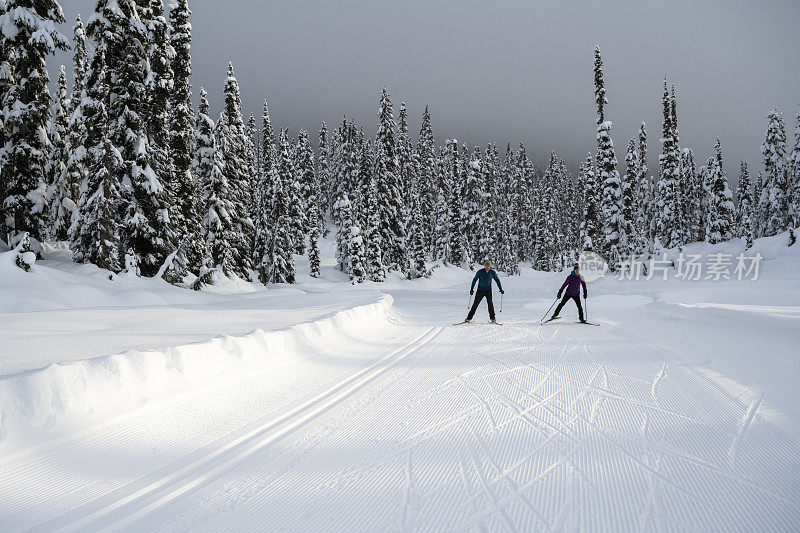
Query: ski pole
point(586, 305)
point(469, 301)
point(551, 306)
point(501, 302)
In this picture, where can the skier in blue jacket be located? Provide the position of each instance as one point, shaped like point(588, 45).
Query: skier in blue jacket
point(484, 278)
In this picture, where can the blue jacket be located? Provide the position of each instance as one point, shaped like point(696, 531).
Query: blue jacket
point(484, 280)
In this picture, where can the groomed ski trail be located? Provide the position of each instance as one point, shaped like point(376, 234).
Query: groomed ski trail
point(520, 428)
point(515, 430)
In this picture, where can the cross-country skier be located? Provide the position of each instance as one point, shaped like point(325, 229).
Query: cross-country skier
point(573, 284)
point(484, 278)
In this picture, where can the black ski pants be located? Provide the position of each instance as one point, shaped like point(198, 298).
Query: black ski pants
point(564, 300)
point(480, 295)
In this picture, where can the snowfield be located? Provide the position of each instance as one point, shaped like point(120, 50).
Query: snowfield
point(134, 405)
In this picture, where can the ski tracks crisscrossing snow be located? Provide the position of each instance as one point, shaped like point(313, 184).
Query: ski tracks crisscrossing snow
point(530, 428)
point(519, 428)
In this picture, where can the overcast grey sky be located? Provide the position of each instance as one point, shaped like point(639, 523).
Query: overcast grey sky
point(518, 70)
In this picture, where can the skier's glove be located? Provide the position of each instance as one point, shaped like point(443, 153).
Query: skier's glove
point(471, 292)
point(559, 295)
point(584, 295)
point(502, 291)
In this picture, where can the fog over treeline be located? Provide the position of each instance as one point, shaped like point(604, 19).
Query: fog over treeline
point(506, 71)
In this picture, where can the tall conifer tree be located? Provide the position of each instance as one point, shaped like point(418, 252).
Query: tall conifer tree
point(236, 172)
point(390, 196)
point(29, 36)
point(773, 209)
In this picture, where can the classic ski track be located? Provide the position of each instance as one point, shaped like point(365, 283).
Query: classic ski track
point(571, 429)
point(230, 453)
point(524, 430)
point(62, 452)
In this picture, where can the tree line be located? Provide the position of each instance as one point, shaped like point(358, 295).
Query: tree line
point(123, 167)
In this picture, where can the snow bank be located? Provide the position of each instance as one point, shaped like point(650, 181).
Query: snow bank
point(47, 399)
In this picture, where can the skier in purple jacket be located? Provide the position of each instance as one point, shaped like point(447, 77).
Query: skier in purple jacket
point(573, 284)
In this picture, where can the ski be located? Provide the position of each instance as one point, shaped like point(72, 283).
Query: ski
point(496, 323)
point(459, 323)
point(549, 320)
point(588, 323)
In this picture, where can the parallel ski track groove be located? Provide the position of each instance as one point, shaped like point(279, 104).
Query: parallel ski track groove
point(231, 453)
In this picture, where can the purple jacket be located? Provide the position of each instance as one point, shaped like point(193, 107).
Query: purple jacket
point(573, 285)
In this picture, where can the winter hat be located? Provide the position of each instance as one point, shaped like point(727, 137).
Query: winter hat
point(487, 263)
point(576, 265)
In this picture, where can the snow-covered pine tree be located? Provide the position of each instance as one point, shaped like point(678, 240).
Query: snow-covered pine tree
point(607, 174)
point(185, 212)
point(305, 187)
point(744, 190)
point(348, 166)
point(80, 62)
point(565, 209)
point(251, 131)
point(691, 191)
point(258, 188)
point(254, 173)
point(667, 230)
point(6, 79)
point(428, 178)
point(95, 230)
point(159, 86)
point(592, 219)
point(506, 199)
point(457, 242)
point(147, 233)
point(390, 195)
point(490, 237)
point(366, 170)
point(323, 174)
point(628, 201)
point(29, 34)
point(268, 156)
point(281, 264)
point(297, 208)
point(574, 196)
point(313, 240)
point(544, 254)
point(74, 172)
point(744, 207)
point(342, 232)
point(236, 172)
point(356, 253)
point(440, 237)
point(719, 226)
point(262, 197)
point(334, 163)
point(472, 204)
point(643, 196)
point(794, 179)
point(316, 194)
point(374, 251)
point(306, 173)
point(416, 239)
point(704, 179)
point(680, 200)
point(218, 228)
point(407, 175)
point(520, 202)
point(61, 203)
point(158, 89)
point(599, 87)
point(772, 205)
